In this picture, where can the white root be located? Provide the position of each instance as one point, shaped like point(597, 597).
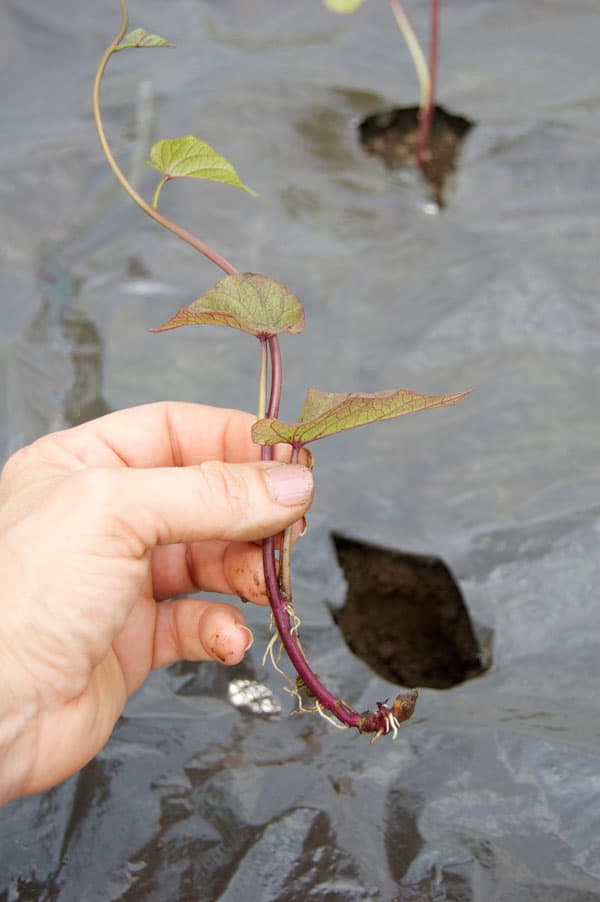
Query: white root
point(270, 652)
point(326, 716)
point(390, 722)
point(394, 723)
point(275, 638)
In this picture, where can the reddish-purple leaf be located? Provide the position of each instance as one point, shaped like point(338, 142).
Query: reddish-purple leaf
point(325, 413)
point(248, 301)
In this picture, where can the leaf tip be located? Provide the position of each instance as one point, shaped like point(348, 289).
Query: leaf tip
point(460, 395)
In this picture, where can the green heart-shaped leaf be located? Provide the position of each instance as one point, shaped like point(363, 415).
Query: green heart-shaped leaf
point(248, 301)
point(191, 158)
point(325, 413)
point(343, 6)
point(141, 38)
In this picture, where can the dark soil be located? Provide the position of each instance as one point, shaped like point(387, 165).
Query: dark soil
point(392, 135)
point(405, 617)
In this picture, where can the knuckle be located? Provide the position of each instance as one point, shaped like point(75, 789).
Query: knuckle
point(16, 462)
point(226, 490)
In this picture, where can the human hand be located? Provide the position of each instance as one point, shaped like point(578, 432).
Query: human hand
point(100, 524)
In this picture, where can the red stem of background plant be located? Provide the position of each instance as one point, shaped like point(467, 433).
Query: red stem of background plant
point(427, 114)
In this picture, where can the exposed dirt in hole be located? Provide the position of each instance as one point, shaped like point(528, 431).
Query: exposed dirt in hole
point(392, 135)
point(405, 617)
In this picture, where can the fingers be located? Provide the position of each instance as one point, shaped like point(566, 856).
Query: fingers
point(163, 435)
point(232, 568)
point(129, 511)
point(194, 630)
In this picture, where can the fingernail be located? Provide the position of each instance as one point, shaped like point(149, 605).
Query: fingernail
point(304, 529)
point(248, 635)
point(310, 461)
point(290, 484)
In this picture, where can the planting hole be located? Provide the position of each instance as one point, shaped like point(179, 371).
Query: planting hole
point(392, 136)
point(405, 617)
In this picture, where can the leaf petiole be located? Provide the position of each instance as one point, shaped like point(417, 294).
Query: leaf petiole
point(262, 379)
point(159, 188)
point(285, 548)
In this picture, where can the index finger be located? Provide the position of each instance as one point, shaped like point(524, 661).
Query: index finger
point(164, 434)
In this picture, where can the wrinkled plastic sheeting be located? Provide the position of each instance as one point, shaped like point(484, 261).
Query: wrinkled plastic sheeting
point(208, 789)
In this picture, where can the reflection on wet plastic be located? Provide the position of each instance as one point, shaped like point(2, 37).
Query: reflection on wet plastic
point(253, 696)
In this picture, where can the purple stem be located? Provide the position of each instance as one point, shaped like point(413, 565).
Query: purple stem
point(278, 603)
point(367, 722)
point(282, 621)
point(370, 721)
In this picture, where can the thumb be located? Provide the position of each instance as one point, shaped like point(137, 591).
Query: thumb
point(215, 500)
